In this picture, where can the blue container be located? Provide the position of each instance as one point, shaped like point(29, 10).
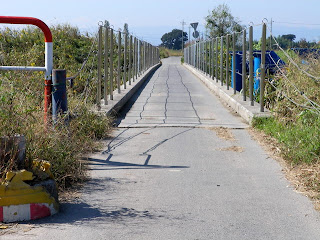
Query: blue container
point(238, 70)
point(256, 73)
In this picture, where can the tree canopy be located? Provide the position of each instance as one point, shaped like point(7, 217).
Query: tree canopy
point(289, 37)
point(173, 39)
point(220, 22)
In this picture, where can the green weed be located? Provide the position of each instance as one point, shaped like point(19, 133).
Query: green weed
point(165, 52)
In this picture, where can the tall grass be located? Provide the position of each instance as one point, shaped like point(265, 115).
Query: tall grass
point(21, 100)
point(296, 121)
point(165, 53)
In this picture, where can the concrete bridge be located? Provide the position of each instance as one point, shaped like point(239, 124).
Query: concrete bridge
point(180, 165)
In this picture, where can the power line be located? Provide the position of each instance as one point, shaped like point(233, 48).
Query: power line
point(312, 24)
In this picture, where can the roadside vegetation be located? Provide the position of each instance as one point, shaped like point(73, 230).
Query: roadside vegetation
point(294, 100)
point(165, 52)
point(21, 100)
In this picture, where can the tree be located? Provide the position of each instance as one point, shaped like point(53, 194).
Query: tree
point(289, 37)
point(303, 43)
point(285, 41)
point(173, 39)
point(220, 22)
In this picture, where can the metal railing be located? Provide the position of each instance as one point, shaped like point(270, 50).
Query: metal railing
point(217, 58)
point(122, 58)
point(48, 56)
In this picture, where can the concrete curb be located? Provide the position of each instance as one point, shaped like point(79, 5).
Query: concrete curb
point(120, 99)
point(26, 212)
point(243, 108)
point(20, 201)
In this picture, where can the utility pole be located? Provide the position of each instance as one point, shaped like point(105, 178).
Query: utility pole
point(271, 35)
point(183, 23)
point(189, 35)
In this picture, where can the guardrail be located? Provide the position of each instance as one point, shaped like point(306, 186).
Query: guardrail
point(48, 56)
point(122, 58)
point(214, 60)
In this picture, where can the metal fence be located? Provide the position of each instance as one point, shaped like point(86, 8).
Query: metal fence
point(122, 58)
point(219, 57)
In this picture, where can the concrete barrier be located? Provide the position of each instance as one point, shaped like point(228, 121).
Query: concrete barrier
point(20, 201)
point(235, 102)
point(120, 99)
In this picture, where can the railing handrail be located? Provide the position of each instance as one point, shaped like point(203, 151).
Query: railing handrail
point(48, 54)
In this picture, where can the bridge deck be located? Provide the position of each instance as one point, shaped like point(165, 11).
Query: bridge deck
point(174, 97)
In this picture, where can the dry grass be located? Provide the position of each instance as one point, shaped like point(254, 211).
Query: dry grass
point(165, 52)
point(21, 101)
point(303, 177)
point(232, 149)
point(223, 133)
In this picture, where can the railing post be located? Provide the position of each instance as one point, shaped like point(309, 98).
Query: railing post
point(59, 93)
point(234, 63)
point(139, 57)
point(195, 55)
point(217, 47)
point(244, 67)
point(263, 67)
point(190, 55)
point(99, 79)
point(221, 61)
point(119, 61)
point(227, 61)
point(111, 63)
point(202, 56)
point(144, 56)
point(213, 59)
point(106, 52)
point(251, 65)
point(125, 60)
point(205, 58)
point(210, 58)
point(130, 59)
point(135, 59)
point(199, 56)
point(193, 60)
point(148, 55)
point(153, 55)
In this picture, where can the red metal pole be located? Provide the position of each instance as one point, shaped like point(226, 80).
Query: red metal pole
point(48, 52)
point(28, 20)
point(47, 99)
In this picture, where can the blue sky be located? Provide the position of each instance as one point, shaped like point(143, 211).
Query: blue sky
point(151, 19)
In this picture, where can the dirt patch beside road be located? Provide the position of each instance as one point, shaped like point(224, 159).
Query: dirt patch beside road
point(305, 178)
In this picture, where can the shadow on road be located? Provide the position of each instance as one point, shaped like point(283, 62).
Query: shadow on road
point(78, 211)
point(108, 163)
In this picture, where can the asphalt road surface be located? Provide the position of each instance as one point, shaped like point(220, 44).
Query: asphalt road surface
point(171, 172)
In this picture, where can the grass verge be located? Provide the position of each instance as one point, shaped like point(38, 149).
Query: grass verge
point(294, 99)
point(299, 140)
point(21, 101)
